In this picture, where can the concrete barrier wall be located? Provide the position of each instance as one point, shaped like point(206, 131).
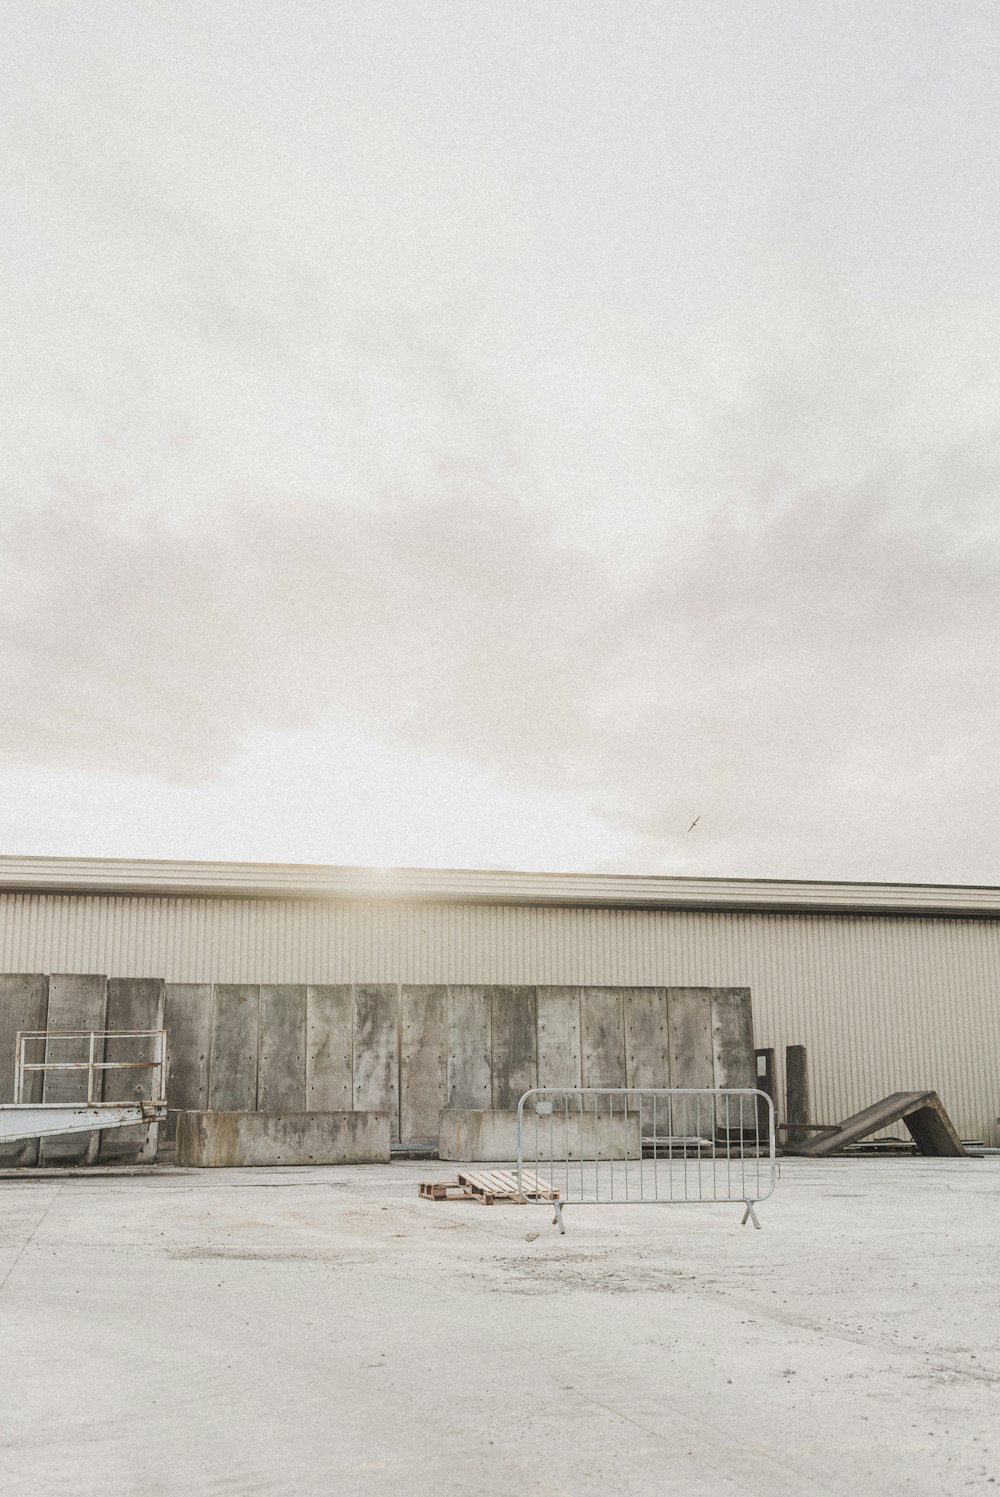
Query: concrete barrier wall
point(221, 1140)
point(412, 1050)
point(406, 1050)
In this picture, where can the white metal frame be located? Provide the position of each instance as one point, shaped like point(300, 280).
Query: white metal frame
point(23, 1068)
point(23, 1119)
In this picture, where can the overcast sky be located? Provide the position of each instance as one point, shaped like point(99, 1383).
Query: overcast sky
point(499, 434)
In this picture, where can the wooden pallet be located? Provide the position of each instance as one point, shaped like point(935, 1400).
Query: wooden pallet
point(488, 1186)
point(444, 1190)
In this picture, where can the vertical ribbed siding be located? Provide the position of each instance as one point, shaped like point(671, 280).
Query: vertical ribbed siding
point(882, 1002)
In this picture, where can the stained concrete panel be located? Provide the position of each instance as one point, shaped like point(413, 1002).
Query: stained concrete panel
point(222, 1140)
point(232, 1079)
point(376, 1050)
point(692, 1057)
point(329, 1047)
point(470, 1026)
point(602, 1025)
point(423, 1062)
point(76, 1001)
point(514, 1016)
point(559, 1060)
point(647, 1047)
point(732, 1037)
point(733, 1053)
point(134, 1003)
point(647, 1038)
point(187, 1018)
point(24, 999)
point(281, 1054)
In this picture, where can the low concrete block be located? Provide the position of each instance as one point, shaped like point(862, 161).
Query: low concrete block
point(490, 1137)
point(225, 1139)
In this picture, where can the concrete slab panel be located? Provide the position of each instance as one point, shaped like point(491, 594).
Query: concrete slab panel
point(222, 1140)
point(514, 1017)
point(329, 1047)
point(470, 1027)
point(732, 1037)
point(490, 1137)
point(376, 1050)
point(647, 1039)
point(187, 1018)
point(692, 1055)
point(647, 1044)
point(76, 1001)
point(559, 1060)
point(602, 1025)
point(281, 1053)
point(24, 1001)
point(134, 1003)
point(232, 1077)
point(733, 1052)
point(423, 1062)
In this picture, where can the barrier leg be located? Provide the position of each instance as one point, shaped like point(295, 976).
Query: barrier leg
point(750, 1215)
point(558, 1216)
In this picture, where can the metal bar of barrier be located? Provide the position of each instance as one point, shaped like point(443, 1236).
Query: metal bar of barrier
point(84, 1034)
point(729, 1157)
point(96, 1065)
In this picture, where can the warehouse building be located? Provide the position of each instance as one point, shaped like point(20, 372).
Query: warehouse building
point(889, 987)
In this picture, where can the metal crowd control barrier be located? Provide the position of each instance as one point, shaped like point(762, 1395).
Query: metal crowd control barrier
point(601, 1146)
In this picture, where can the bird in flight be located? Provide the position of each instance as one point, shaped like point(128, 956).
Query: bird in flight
point(695, 822)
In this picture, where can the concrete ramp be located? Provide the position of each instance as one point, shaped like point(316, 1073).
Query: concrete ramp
point(930, 1127)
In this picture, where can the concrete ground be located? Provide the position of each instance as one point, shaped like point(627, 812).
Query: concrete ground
point(243, 1333)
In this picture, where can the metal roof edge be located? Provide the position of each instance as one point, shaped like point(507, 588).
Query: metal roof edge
point(151, 877)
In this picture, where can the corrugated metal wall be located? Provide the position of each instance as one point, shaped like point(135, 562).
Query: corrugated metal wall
point(883, 1003)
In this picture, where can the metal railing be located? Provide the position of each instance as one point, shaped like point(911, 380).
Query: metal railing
point(600, 1146)
point(92, 1046)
